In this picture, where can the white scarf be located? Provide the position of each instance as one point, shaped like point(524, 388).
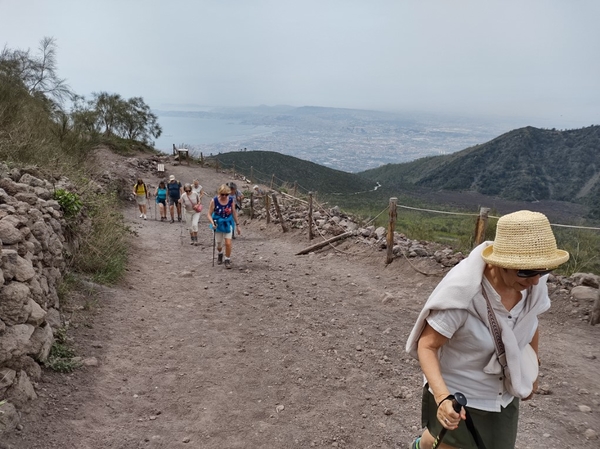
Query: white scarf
point(461, 289)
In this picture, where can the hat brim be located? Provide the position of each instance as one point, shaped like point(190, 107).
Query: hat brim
point(524, 262)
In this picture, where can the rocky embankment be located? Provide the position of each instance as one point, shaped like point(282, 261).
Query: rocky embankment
point(32, 242)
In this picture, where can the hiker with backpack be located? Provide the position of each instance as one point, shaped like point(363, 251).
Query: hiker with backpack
point(174, 192)
point(141, 197)
point(223, 216)
point(192, 206)
point(237, 197)
point(478, 334)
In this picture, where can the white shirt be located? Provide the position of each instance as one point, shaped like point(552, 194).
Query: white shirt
point(469, 349)
point(197, 189)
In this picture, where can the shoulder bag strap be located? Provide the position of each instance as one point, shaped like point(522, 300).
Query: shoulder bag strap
point(495, 331)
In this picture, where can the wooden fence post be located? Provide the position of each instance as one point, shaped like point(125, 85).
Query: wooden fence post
point(390, 231)
point(267, 207)
point(251, 205)
point(282, 221)
point(272, 180)
point(295, 202)
point(310, 217)
point(201, 159)
point(481, 225)
point(251, 173)
point(234, 170)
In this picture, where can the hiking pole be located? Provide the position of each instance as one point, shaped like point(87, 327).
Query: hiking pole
point(181, 231)
point(214, 242)
point(458, 401)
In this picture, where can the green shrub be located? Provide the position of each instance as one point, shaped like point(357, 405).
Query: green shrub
point(103, 250)
point(69, 202)
point(61, 358)
point(61, 355)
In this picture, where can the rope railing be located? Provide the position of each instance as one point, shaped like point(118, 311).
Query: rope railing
point(391, 235)
point(438, 211)
point(378, 215)
point(492, 216)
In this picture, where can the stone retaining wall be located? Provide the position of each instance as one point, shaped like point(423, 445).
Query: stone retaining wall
point(31, 242)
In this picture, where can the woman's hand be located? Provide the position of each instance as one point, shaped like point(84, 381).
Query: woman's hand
point(448, 417)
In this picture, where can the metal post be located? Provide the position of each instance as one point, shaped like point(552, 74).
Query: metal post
point(390, 231)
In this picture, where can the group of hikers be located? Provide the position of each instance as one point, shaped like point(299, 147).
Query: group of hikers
point(187, 198)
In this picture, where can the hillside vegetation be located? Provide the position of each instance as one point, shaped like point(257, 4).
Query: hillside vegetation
point(288, 169)
point(38, 130)
point(509, 173)
point(526, 164)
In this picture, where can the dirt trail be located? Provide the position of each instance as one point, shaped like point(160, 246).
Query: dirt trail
point(281, 351)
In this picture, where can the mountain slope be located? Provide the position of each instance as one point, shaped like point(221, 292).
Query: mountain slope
point(524, 164)
point(310, 176)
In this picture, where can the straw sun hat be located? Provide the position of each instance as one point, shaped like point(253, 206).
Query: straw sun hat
point(524, 241)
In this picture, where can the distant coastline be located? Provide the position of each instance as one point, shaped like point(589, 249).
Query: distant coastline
point(344, 139)
point(198, 131)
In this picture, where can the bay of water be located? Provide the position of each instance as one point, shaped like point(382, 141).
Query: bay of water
point(193, 131)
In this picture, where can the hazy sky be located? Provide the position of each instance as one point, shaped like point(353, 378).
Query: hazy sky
point(535, 58)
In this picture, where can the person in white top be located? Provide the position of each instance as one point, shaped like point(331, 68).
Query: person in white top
point(192, 206)
point(197, 188)
point(490, 300)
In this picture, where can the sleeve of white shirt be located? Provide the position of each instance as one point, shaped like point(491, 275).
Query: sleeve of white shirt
point(447, 322)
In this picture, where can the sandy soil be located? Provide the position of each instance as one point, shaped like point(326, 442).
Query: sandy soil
point(281, 351)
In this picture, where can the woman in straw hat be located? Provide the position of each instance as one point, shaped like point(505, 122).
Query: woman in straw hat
point(500, 286)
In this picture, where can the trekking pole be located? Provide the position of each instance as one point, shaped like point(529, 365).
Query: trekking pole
point(458, 401)
point(181, 230)
point(214, 242)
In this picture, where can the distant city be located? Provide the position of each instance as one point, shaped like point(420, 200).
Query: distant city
point(344, 139)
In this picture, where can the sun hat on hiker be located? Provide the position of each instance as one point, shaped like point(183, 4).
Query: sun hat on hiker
point(172, 178)
point(524, 241)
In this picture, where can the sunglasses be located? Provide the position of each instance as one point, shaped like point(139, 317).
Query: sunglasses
point(223, 194)
point(532, 273)
point(188, 191)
